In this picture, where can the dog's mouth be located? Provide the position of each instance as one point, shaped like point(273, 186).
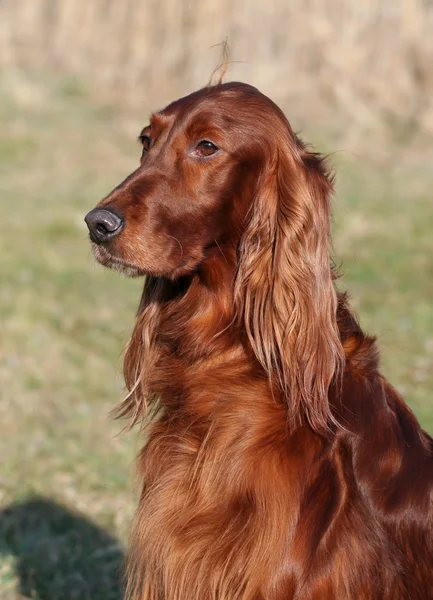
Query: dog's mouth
point(105, 258)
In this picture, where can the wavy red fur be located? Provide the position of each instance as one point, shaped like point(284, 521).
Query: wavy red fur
point(279, 463)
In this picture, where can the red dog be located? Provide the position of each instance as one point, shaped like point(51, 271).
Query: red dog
point(282, 465)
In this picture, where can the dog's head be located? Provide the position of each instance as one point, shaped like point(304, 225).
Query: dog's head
point(203, 161)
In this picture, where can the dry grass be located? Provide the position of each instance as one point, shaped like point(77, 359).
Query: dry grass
point(340, 62)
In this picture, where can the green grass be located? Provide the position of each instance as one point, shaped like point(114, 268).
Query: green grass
point(66, 476)
point(383, 227)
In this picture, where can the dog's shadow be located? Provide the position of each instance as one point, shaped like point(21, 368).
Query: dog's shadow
point(59, 554)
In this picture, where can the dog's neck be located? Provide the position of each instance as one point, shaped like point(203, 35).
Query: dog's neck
point(189, 326)
point(197, 318)
point(183, 326)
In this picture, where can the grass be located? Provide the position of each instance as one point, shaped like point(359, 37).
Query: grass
point(66, 486)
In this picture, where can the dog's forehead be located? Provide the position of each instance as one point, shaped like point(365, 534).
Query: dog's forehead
point(225, 106)
point(191, 116)
point(199, 105)
point(219, 98)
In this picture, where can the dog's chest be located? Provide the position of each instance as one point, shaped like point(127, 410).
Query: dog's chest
point(218, 513)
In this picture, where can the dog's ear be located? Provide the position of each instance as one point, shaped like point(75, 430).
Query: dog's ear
point(284, 291)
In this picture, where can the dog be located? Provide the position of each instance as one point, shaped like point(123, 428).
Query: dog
point(279, 464)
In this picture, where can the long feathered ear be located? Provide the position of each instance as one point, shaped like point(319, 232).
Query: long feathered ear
point(140, 355)
point(284, 291)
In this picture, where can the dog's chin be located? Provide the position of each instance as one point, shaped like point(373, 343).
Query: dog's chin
point(112, 262)
point(107, 259)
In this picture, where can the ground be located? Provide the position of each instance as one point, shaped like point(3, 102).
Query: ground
point(67, 491)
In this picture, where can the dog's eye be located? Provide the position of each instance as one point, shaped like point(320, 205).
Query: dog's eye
point(145, 142)
point(205, 148)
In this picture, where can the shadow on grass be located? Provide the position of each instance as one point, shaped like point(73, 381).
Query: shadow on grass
point(60, 555)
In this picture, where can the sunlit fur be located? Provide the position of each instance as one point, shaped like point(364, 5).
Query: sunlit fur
point(279, 463)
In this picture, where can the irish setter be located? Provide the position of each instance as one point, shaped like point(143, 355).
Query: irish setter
point(279, 462)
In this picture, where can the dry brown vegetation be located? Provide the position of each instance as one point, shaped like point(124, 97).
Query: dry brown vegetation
point(340, 62)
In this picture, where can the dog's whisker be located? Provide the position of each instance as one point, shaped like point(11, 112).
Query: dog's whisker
point(180, 245)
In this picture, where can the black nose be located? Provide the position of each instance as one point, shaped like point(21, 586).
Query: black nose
point(103, 225)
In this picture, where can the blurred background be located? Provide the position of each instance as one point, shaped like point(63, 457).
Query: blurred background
point(78, 80)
